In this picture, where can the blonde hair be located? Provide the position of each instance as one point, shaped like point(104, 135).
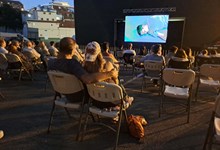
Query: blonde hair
point(96, 66)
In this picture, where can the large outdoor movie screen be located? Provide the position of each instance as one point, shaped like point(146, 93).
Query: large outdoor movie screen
point(148, 28)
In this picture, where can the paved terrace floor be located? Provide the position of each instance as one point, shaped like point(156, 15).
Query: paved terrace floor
point(24, 117)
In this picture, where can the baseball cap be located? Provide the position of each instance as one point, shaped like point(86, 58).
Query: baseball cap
point(92, 51)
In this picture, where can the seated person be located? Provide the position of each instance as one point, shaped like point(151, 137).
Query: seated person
point(28, 47)
point(191, 58)
point(52, 49)
point(14, 48)
point(180, 60)
point(77, 54)
point(108, 56)
point(171, 52)
point(3, 46)
point(94, 62)
point(66, 64)
point(156, 51)
point(128, 54)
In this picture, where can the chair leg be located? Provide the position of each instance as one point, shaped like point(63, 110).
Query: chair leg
point(209, 132)
point(119, 127)
point(142, 86)
point(197, 90)
point(68, 113)
point(51, 117)
point(86, 121)
point(20, 73)
point(80, 124)
point(188, 109)
point(161, 104)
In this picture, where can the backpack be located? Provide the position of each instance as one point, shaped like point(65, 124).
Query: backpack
point(135, 124)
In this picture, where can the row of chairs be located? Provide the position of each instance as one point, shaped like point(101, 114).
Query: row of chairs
point(10, 63)
point(103, 92)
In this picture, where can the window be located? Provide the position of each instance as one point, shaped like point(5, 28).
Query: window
point(44, 12)
point(47, 19)
point(42, 18)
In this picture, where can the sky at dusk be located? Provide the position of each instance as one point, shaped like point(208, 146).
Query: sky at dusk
point(33, 3)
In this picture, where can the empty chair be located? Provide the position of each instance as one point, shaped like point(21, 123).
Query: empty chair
point(209, 76)
point(107, 92)
point(64, 83)
point(15, 65)
point(152, 72)
point(177, 83)
point(214, 126)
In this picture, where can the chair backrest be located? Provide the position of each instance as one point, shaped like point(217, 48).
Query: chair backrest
point(105, 92)
point(65, 83)
point(210, 70)
point(119, 54)
point(12, 58)
point(153, 68)
point(178, 77)
point(217, 106)
point(29, 55)
point(128, 58)
point(3, 62)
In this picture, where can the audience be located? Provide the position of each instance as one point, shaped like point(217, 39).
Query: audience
point(65, 63)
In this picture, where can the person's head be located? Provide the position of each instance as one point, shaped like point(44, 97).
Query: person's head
point(143, 50)
point(181, 54)
point(156, 49)
point(33, 44)
point(142, 29)
point(105, 47)
point(67, 45)
point(2, 42)
point(15, 43)
point(28, 44)
point(173, 49)
point(52, 43)
point(94, 61)
point(130, 46)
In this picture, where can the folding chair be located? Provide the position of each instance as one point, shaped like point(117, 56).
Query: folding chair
point(209, 76)
point(128, 61)
point(64, 83)
point(214, 126)
point(177, 83)
point(37, 63)
point(15, 65)
point(152, 72)
point(3, 62)
point(106, 92)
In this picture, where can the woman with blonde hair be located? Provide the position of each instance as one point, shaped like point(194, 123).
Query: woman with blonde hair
point(94, 62)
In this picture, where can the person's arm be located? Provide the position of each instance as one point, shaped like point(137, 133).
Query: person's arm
point(99, 76)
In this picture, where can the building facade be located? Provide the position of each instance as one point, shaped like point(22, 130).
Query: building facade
point(49, 22)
